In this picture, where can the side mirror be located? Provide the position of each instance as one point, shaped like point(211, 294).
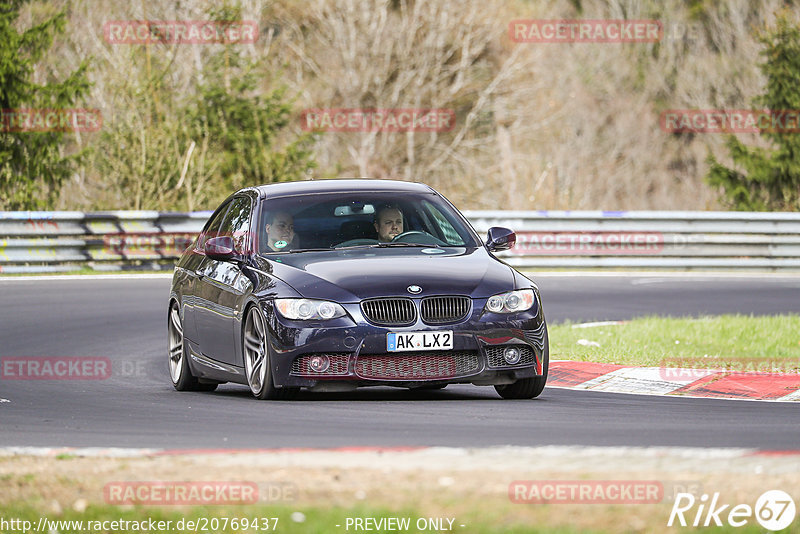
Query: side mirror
point(220, 248)
point(500, 238)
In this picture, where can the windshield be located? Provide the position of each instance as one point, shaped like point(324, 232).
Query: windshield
point(368, 220)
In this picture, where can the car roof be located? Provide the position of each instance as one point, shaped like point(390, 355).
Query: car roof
point(284, 189)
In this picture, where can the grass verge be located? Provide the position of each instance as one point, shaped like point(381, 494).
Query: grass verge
point(317, 491)
point(655, 341)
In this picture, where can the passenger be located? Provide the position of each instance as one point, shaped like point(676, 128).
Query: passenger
point(388, 223)
point(280, 231)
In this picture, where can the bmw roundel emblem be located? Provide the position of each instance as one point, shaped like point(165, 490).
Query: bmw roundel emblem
point(414, 289)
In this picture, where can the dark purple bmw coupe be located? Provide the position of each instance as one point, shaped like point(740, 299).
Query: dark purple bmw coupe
point(334, 284)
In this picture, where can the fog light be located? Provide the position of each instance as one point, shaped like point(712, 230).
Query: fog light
point(319, 363)
point(511, 355)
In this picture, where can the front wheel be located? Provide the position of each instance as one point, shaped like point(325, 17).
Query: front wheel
point(181, 375)
point(529, 388)
point(256, 360)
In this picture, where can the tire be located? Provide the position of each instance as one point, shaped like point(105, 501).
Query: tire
point(529, 388)
point(256, 359)
point(180, 374)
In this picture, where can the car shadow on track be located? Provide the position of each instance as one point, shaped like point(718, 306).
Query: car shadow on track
point(378, 393)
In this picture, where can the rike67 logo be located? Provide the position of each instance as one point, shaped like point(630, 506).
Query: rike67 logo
point(774, 510)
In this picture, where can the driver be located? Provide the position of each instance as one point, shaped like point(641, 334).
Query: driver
point(280, 231)
point(388, 223)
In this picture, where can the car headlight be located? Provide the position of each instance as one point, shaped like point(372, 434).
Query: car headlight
point(511, 302)
point(308, 309)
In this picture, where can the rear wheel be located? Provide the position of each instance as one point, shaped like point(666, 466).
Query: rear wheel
point(256, 360)
point(529, 388)
point(181, 375)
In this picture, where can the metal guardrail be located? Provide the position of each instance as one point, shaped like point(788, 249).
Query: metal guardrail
point(649, 239)
point(115, 240)
point(64, 241)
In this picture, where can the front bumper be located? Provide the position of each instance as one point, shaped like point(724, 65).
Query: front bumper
point(358, 356)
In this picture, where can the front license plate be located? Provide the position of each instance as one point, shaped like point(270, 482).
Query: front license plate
point(398, 341)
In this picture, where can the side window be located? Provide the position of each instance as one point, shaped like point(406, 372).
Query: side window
point(237, 223)
point(212, 227)
point(450, 234)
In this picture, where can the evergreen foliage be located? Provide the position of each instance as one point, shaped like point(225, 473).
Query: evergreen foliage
point(33, 164)
point(769, 179)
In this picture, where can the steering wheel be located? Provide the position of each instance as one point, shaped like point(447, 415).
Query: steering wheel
point(398, 238)
point(413, 236)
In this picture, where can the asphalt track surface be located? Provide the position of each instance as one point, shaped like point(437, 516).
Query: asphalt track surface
point(125, 320)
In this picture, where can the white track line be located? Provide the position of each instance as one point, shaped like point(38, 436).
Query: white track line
point(144, 276)
point(640, 380)
point(657, 274)
point(795, 396)
point(598, 323)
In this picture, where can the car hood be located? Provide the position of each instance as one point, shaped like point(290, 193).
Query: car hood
point(356, 274)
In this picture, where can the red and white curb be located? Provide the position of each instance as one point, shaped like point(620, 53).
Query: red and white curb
point(707, 383)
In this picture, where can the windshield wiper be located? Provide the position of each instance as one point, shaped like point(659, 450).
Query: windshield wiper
point(350, 247)
point(400, 244)
point(310, 250)
point(386, 245)
point(271, 252)
point(371, 245)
